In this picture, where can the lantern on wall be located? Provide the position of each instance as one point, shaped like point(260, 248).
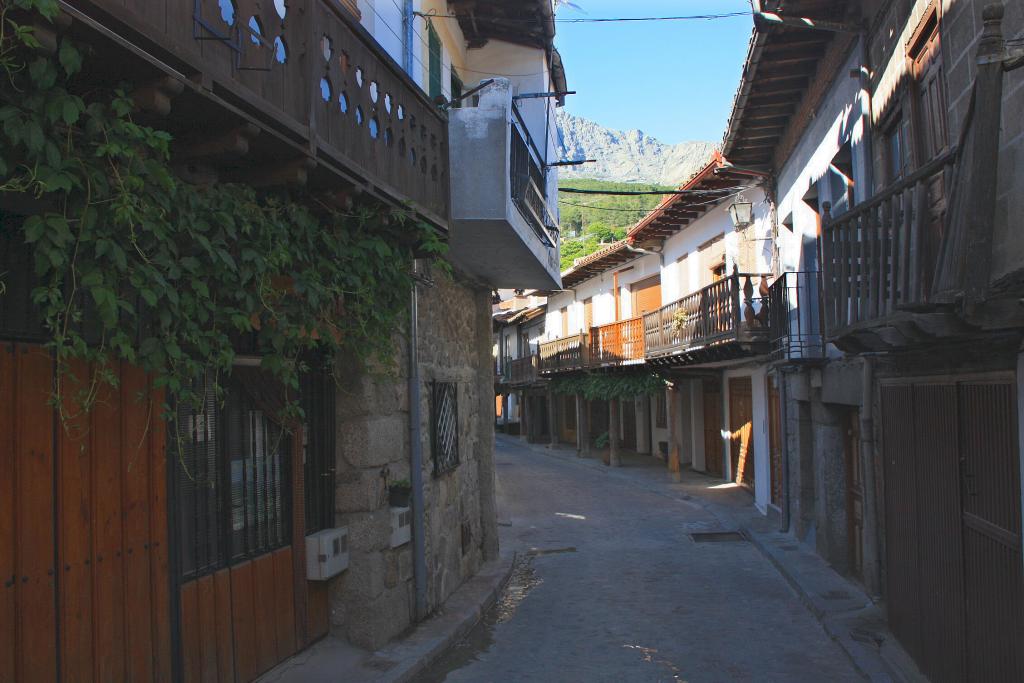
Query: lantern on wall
point(742, 212)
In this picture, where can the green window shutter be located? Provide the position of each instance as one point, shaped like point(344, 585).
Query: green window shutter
point(456, 87)
point(434, 65)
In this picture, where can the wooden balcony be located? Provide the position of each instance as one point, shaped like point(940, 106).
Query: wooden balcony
point(617, 343)
point(878, 259)
point(305, 98)
point(721, 321)
point(565, 354)
point(525, 370)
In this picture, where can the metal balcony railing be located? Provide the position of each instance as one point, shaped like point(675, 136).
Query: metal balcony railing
point(794, 317)
point(529, 181)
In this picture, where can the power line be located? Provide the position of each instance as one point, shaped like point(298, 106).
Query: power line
point(594, 20)
point(662, 193)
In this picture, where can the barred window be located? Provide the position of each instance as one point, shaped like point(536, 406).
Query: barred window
point(318, 449)
point(233, 479)
point(444, 419)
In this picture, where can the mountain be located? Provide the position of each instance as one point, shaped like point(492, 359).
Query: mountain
point(626, 156)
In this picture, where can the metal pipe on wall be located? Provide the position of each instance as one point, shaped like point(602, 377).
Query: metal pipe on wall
point(784, 436)
point(872, 577)
point(416, 457)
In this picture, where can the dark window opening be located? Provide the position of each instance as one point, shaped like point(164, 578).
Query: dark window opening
point(660, 410)
point(318, 449)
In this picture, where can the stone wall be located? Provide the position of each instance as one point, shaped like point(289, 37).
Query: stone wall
point(374, 600)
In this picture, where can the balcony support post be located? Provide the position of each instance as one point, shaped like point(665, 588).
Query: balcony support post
point(552, 418)
point(524, 415)
point(582, 426)
point(613, 433)
point(675, 420)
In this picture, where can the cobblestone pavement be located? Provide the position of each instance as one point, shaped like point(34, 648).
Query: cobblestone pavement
point(610, 586)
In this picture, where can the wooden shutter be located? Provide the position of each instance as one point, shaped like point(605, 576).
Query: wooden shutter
point(588, 314)
point(646, 295)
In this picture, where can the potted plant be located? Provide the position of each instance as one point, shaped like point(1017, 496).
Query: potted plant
point(399, 493)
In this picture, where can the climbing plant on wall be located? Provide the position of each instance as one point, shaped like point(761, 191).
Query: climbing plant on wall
point(593, 386)
point(165, 274)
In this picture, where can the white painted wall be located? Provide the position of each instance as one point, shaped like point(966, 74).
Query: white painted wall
point(841, 118)
point(600, 289)
point(682, 277)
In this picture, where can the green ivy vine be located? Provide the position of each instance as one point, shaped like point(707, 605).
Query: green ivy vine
point(600, 386)
point(167, 275)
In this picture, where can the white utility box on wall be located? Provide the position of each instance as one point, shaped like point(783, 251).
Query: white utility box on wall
point(326, 554)
point(401, 526)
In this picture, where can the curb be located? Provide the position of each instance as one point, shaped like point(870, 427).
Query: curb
point(471, 616)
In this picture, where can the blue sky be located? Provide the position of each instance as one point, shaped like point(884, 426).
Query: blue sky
point(674, 80)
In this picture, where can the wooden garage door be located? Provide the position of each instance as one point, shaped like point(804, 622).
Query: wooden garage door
point(83, 526)
point(952, 523)
point(646, 295)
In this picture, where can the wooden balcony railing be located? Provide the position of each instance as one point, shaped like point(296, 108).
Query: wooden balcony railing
point(524, 370)
point(567, 353)
point(727, 310)
point(880, 256)
point(314, 77)
point(617, 343)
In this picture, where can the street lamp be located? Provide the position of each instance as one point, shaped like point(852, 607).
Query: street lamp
point(742, 212)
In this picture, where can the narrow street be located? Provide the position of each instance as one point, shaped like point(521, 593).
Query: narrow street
point(610, 586)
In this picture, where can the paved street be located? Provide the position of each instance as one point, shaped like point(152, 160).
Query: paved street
point(611, 587)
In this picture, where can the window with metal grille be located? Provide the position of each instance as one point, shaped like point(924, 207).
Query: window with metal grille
point(318, 449)
point(660, 410)
point(444, 412)
point(233, 483)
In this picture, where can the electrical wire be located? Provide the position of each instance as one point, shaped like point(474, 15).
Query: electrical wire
point(594, 20)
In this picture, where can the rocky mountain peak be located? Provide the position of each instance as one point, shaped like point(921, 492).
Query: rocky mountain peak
point(626, 156)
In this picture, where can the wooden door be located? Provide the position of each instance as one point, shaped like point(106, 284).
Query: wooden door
point(994, 585)
point(952, 527)
point(588, 314)
point(741, 419)
point(775, 436)
point(646, 295)
point(83, 525)
point(713, 427)
point(854, 492)
point(628, 423)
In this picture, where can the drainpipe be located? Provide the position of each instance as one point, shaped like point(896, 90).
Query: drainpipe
point(872, 581)
point(784, 419)
point(416, 456)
